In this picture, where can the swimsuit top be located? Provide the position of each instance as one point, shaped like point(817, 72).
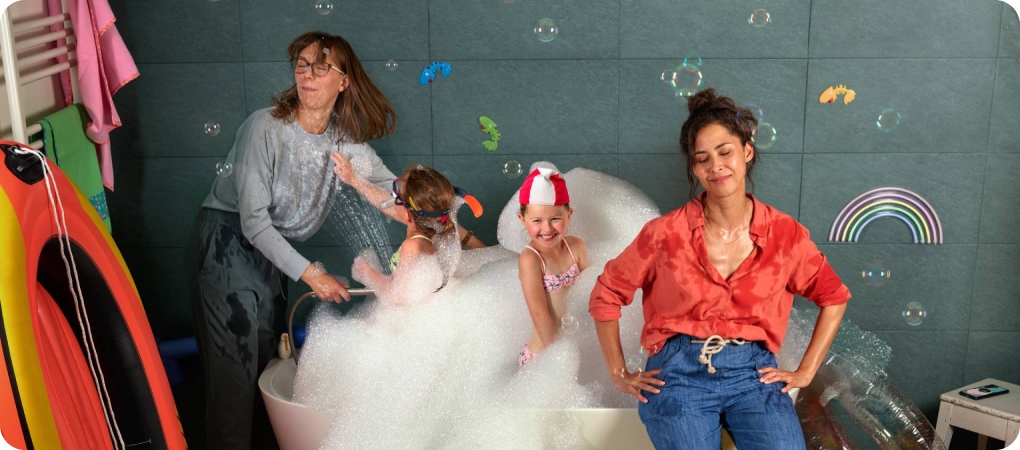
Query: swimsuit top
point(395, 259)
point(559, 281)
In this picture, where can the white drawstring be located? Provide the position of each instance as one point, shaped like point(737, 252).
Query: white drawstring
point(73, 282)
point(714, 344)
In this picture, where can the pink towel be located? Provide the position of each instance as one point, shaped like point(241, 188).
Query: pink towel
point(104, 66)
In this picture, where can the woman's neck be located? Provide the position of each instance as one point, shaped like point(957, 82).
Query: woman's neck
point(313, 121)
point(727, 212)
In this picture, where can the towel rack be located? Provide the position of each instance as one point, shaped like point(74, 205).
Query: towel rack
point(12, 51)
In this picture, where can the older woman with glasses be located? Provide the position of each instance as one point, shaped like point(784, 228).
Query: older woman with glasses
point(280, 186)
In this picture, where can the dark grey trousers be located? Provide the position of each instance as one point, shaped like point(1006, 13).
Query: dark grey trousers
point(238, 309)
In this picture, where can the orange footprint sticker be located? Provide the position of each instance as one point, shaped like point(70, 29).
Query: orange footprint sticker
point(830, 94)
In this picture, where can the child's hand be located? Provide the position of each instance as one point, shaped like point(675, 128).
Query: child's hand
point(343, 168)
point(361, 268)
point(634, 383)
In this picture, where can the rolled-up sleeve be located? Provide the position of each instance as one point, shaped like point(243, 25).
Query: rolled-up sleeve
point(812, 277)
point(631, 270)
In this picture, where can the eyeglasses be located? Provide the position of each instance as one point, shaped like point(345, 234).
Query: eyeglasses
point(319, 70)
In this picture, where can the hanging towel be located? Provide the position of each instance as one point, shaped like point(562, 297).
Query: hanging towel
point(66, 145)
point(104, 66)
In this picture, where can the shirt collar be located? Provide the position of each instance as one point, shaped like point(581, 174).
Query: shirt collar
point(759, 221)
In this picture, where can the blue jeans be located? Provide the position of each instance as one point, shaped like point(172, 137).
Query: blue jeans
point(694, 405)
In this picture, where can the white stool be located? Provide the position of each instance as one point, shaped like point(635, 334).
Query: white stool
point(997, 417)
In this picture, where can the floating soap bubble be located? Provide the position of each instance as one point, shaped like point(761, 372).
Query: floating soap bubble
point(512, 169)
point(635, 364)
point(760, 18)
point(914, 313)
point(324, 6)
point(546, 30)
point(391, 64)
point(686, 80)
point(764, 136)
point(888, 120)
point(693, 60)
point(224, 169)
point(212, 128)
point(569, 325)
point(875, 274)
point(742, 116)
point(667, 76)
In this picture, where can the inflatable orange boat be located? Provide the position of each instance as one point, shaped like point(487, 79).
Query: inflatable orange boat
point(60, 387)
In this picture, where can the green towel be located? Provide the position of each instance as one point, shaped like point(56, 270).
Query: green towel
point(66, 145)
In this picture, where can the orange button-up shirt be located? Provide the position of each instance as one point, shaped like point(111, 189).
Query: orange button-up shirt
point(684, 293)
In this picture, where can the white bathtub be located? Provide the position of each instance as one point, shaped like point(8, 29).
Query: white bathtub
point(299, 427)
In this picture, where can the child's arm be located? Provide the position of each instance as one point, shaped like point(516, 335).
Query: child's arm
point(372, 193)
point(580, 252)
point(529, 269)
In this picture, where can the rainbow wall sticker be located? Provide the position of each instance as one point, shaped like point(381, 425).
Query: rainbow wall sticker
point(896, 202)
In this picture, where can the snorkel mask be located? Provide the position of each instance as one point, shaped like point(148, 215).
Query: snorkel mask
point(476, 207)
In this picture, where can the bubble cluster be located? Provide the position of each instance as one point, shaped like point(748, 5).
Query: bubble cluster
point(418, 342)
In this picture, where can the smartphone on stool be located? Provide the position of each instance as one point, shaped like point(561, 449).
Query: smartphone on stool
point(980, 392)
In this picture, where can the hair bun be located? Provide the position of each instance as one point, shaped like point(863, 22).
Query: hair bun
point(705, 99)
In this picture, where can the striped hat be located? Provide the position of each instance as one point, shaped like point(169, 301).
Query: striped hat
point(544, 187)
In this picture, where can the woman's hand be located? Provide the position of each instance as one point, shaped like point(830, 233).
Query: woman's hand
point(797, 379)
point(325, 286)
point(343, 168)
point(634, 383)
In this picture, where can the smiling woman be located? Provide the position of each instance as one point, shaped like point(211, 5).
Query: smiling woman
point(718, 277)
point(280, 188)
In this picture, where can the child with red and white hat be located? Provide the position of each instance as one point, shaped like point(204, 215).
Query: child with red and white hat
point(553, 260)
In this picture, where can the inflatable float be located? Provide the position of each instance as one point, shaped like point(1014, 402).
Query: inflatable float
point(81, 366)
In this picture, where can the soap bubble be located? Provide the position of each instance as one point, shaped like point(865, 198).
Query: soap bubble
point(546, 30)
point(693, 60)
point(391, 64)
point(512, 169)
point(914, 313)
point(888, 120)
point(875, 274)
point(760, 18)
point(224, 169)
point(569, 325)
point(756, 111)
point(212, 128)
point(324, 6)
point(764, 136)
point(667, 76)
point(635, 364)
point(386, 203)
point(686, 80)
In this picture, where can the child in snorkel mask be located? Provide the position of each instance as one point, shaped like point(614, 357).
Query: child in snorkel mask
point(423, 199)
